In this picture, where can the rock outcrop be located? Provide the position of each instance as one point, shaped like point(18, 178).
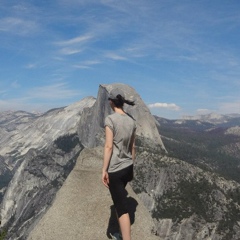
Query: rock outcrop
point(22, 131)
point(91, 127)
point(40, 152)
point(35, 183)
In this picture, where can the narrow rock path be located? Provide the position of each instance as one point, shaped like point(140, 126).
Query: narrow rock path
point(82, 209)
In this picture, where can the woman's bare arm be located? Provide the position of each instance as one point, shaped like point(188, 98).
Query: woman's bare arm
point(132, 146)
point(108, 148)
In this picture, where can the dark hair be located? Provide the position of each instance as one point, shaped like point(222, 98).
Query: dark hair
point(120, 100)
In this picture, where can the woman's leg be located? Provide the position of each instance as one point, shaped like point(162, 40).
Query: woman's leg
point(125, 226)
point(117, 184)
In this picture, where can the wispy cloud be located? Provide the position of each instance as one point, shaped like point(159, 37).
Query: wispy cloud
point(170, 106)
point(74, 45)
point(31, 65)
point(81, 66)
point(115, 56)
point(17, 25)
point(52, 92)
point(69, 51)
point(75, 41)
point(86, 64)
point(39, 98)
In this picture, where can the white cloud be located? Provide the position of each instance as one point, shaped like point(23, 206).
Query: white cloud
point(76, 40)
point(70, 51)
point(74, 45)
point(171, 106)
point(91, 62)
point(86, 64)
point(17, 25)
point(81, 66)
point(114, 56)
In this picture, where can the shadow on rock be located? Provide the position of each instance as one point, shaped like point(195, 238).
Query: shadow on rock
point(113, 225)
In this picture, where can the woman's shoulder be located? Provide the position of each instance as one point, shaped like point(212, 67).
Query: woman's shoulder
point(111, 118)
point(121, 117)
point(112, 115)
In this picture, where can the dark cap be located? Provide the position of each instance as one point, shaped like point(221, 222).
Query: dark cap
point(114, 92)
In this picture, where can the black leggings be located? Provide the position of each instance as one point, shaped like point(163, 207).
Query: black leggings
point(117, 183)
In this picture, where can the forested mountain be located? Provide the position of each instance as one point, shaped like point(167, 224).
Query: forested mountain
point(212, 144)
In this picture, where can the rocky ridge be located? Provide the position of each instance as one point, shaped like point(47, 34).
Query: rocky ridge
point(40, 152)
point(22, 131)
point(83, 207)
point(91, 127)
point(185, 201)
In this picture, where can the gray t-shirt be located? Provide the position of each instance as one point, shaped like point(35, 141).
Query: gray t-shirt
point(123, 127)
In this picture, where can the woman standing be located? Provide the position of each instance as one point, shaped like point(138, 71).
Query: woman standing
point(119, 154)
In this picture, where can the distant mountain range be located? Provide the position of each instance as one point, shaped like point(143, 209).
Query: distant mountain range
point(215, 118)
point(211, 142)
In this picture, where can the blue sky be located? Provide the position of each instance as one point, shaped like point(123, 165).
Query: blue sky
point(182, 57)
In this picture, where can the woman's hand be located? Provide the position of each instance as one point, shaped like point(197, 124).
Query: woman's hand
point(105, 178)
